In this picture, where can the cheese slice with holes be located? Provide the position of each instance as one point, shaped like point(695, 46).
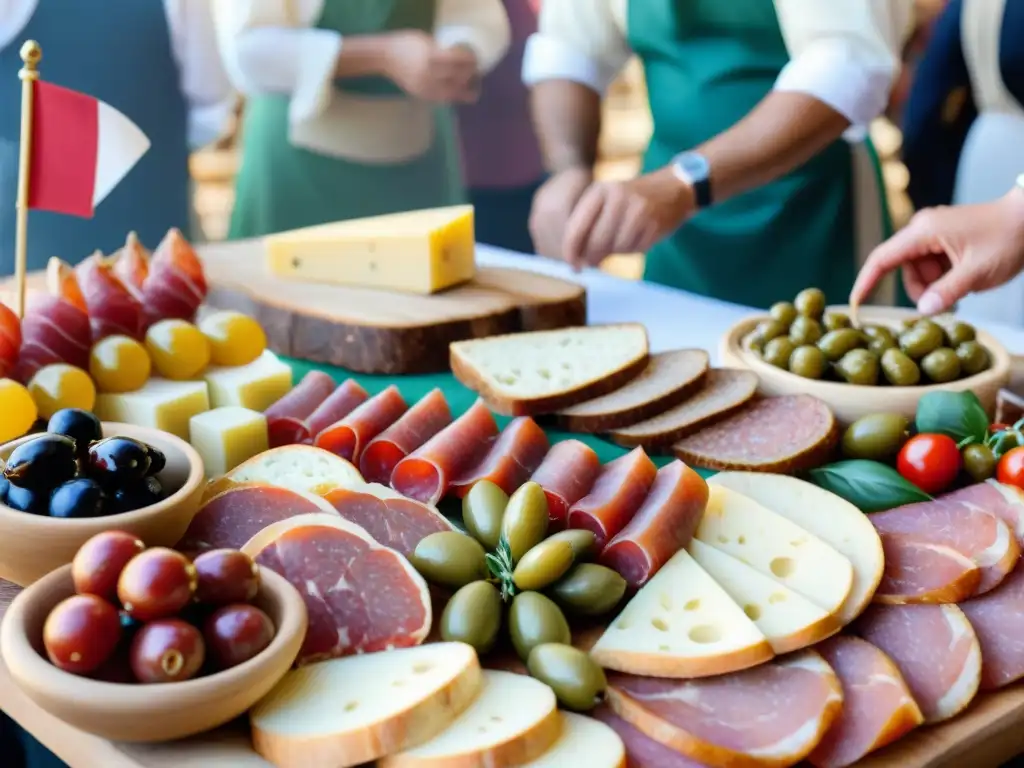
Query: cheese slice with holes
point(681, 624)
point(586, 743)
point(778, 548)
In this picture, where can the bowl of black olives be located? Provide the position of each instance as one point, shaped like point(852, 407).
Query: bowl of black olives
point(60, 487)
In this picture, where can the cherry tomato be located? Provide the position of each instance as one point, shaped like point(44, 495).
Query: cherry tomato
point(167, 651)
point(226, 576)
point(81, 633)
point(1011, 468)
point(156, 584)
point(98, 564)
point(931, 462)
point(236, 633)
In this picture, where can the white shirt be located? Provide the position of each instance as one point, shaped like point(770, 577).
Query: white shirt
point(204, 82)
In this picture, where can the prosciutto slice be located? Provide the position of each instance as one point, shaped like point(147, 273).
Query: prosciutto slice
point(113, 310)
point(566, 474)
point(10, 339)
point(774, 714)
point(918, 572)
point(131, 265)
point(1004, 501)
point(339, 404)
point(617, 494)
point(935, 649)
point(287, 418)
point(511, 460)
point(998, 621)
point(52, 331)
point(348, 436)
point(176, 284)
point(417, 425)
point(390, 518)
point(642, 751)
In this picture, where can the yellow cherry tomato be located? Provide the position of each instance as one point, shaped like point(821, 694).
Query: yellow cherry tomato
point(119, 364)
point(178, 349)
point(235, 339)
point(18, 411)
point(60, 386)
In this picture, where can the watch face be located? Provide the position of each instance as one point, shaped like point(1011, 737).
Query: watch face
point(693, 165)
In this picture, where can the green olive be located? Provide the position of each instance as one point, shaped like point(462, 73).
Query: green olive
point(973, 358)
point(449, 558)
point(910, 322)
point(784, 312)
point(833, 321)
point(958, 333)
point(880, 344)
point(878, 332)
point(526, 519)
point(810, 302)
point(589, 590)
point(777, 351)
point(923, 338)
point(534, 619)
point(543, 565)
point(752, 342)
point(835, 344)
point(577, 680)
point(941, 366)
point(877, 437)
point(858, 366)
point(979, 462)
point(482, 510)
point(583, 543)
point(473, 616)
point(805, 330)
point(769, 329)
point(808, 361)
point(899, 370)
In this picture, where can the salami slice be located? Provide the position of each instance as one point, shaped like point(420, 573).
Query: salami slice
point(617, 494)
point(641, 750)
point(347, 437)
point(511, 460)
point(663, 525)
point(877, 705)
point(1004, 501)
point(998, 621)
point(339, 404)
point(935, 649)
point(917, 572)
point(417, 425)
point(426, 473)
point(774, 714)
point(287, 418)
point(360, 597)
point(567, 474)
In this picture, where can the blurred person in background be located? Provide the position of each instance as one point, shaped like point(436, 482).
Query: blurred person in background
point(348, 103)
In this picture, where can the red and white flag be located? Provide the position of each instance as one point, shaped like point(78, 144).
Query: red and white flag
point(81, 149)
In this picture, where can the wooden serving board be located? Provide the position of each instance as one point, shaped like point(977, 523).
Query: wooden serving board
point(372, 331)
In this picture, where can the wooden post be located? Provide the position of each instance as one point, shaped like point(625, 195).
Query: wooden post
point(31, 53)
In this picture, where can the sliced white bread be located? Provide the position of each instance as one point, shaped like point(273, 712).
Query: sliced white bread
point(788, 620)
point(835, 521)
point(514, 719)
point(779, 549)
point(584, 742)
point(524, 374)
point(681, 624)
point(346, 712)
point(669, 379)
point(296, 467)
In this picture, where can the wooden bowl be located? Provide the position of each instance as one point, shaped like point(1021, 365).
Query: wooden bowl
point(848, 401)
point(33, 545)
point(146, 713)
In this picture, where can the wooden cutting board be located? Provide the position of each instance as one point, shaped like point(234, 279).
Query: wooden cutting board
point(373, 331)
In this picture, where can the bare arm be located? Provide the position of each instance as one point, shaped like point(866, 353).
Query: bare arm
point(363, 55)
point(567, 118)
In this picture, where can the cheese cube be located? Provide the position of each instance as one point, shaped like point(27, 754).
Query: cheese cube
point(160, 404)
point(413, 252)
point(256, 386)
point(225, 437)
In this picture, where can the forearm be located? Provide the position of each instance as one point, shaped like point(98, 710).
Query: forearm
point(567, 118)
point(363, 55)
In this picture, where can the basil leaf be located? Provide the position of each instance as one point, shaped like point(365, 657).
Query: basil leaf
point(868, 485)
point(959, 415)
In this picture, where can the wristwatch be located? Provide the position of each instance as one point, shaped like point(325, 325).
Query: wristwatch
point(1020, 181)
point(694, 169)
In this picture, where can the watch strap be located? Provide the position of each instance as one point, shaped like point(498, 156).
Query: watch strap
point(701, 192)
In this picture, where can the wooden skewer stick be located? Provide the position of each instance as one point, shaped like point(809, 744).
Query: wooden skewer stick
point(31, 53)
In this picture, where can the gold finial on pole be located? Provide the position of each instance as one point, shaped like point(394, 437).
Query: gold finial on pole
point(31, 53)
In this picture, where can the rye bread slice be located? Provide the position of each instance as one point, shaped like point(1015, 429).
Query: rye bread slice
point(782, 435)
point(724, 391)
point(669, 379)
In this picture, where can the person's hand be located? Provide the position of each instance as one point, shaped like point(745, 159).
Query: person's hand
point(427, 71)
point(553, 204)
point(626, 217)
point(949, 252)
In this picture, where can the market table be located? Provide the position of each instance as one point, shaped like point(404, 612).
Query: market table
point(984, 737)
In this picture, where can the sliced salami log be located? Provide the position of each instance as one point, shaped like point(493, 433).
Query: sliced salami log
point(784, 435)
point(348, 437)
point(1003, 501)
point(339, 404)
point(771, 715)
point(287, 418)
point(360, 597)
point(567, 474)
point(641, 750)
point(390, 518)
point(52, 331)
point(417, 425)
point(113, 309)
point(918, 572)
point(511, 459)
point(617, 494)
point(935, 649)
point(998, 621)
point(663, 525)
point(877, 705)
point(426, 473)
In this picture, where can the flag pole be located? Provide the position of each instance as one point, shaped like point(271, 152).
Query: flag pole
point(31, 53)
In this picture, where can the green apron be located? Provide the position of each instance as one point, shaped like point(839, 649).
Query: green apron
point(281, 186)
point(708, 63)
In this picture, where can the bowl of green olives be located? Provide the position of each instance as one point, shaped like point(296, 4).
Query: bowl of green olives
point(884, 363)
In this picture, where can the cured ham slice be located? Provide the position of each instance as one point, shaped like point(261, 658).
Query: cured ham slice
point(663, 525)
point(617, 494)
point(52, 331)
point(10, 339)
point(360, 597)
point(390, 518)
point(417, 425)
point(62, 281)
point(287, 418)
point(772, 715)
point(877, 705)
point(339, 404)
point(998, 621)
point(426, 473)
point(131, 265)
point(511, 460)
point(348, 436)
point(918, 572)
point(567, 474)
point(935, 649)
point(176, 284)
point(641, 750)
point(1003, 501)
point(113, 310)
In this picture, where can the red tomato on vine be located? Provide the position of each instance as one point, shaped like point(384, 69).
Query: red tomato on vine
point(931, 462)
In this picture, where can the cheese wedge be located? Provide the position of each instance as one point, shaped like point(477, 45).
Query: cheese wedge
point(584, 742)
point(513, 720)
point(779, 549)
point(835, 521)
point(160, 404)
point(256, 386)
point(350, 711)
point(681, 624)
point(413, 252)
point(787, 620)
point(225, 437)
point(296, 467)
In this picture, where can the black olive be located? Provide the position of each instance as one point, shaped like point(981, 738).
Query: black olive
point(136, 495)
point(157, 460)
point(5, 484)
point(118, 461)
point(81, 497)
point(43, 463)
point(81, 426)
point(25, 500)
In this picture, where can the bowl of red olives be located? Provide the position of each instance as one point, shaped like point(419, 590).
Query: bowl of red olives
point(60, 487)
point(143, 644)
